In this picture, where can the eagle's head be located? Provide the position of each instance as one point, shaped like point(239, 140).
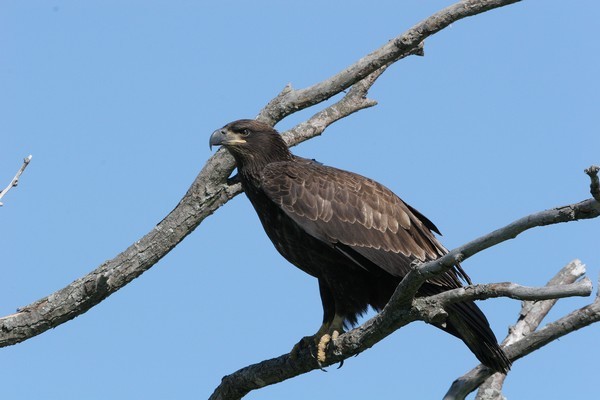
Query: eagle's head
point(251, 142)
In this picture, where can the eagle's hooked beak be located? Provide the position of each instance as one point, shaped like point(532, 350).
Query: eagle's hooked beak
point(217, 138)
point(224, 137)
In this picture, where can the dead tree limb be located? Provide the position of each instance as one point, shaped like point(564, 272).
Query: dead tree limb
point(531, 315)
point(15, 181)
point(577, 319)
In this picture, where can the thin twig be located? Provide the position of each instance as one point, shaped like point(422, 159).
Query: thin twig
point(514, 291)
point(15, 180)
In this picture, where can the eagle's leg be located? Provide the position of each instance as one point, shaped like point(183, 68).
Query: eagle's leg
point(332, 327)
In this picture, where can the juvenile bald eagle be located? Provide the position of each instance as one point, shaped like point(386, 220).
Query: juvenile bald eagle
point(351, 233)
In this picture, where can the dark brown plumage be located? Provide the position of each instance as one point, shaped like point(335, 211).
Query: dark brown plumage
point(351, 233)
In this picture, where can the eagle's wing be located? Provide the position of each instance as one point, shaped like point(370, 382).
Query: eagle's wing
point(355, 214)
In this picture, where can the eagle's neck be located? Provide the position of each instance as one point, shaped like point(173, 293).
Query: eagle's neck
point(250, 165)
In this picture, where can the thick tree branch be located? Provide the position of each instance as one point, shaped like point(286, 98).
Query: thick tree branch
point(15, 181)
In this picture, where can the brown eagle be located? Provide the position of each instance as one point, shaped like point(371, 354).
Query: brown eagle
point(351, 233)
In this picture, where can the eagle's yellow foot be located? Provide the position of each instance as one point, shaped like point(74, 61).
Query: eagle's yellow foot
point(322, 346)
point(318, 342)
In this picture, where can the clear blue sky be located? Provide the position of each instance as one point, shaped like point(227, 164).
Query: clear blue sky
point(116, 101)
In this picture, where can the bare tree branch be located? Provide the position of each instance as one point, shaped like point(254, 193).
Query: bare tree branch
point(515, 345)
point(576, 320)
point(514, 291)
point(533, 312)
point(531, 315)
point(415, 278)
point(355, 100)
point(15, 180)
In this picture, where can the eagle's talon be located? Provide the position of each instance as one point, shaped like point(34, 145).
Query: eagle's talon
point(335, 335)
point(322, 348)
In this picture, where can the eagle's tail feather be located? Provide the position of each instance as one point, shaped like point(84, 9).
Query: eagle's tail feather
point(467, 322)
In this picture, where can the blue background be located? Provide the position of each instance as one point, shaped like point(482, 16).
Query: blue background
point(116, 101)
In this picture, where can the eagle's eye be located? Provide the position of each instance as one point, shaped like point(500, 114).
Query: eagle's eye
point(245, 132)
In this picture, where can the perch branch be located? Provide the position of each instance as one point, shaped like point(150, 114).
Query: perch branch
point(15, 180)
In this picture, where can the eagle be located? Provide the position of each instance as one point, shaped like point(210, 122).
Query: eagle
point(350, 232)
